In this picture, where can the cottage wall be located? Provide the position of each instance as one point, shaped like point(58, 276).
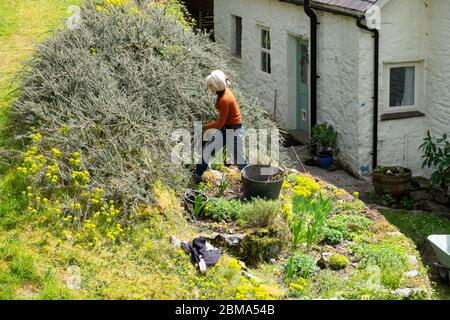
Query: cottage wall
point(345, 87)
point(338, 47)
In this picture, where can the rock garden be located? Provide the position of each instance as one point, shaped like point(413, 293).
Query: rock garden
point(93, 208)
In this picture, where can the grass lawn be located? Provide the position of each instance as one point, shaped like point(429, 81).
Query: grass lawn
point(25, 23)
point(418, 226)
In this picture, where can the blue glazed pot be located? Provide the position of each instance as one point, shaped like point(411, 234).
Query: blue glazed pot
point(325, 160)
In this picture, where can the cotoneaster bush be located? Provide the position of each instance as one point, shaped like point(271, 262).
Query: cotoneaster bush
point(116, 89)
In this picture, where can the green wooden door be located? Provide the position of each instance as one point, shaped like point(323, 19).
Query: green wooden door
point(302, 86)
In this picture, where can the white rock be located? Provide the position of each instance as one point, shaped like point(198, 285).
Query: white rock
point(405, 292)
point(413, 260)
point(412, 273)
point(73, 278)
point(218, 174)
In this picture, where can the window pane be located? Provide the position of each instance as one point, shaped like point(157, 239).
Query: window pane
point(402, 87)
point(263, 61)
point(238, 49)
point(265, 39)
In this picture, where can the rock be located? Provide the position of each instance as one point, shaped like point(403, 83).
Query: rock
point(228, 239)
point(412, 273)
point(440, 196)
point(421, 195)
point(405, 292)
point(413, 261)
point(251, 276)
point(291, 171)
point(218, 174)
point(420, 183)
point(242, 264)
point(255, 246)
point(73, 278)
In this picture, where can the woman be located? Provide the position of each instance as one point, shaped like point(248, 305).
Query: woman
point(229, 120)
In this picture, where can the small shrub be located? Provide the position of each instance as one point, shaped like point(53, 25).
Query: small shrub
point(406, 203)
point(324, 136)
point(301, 265)
point(338, 262)
point(260, 213)
point(223, 210)
point(332, 236)
point(347, 225)
point(436, 155)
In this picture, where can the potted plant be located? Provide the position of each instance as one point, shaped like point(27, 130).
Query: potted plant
point(325, 137)
point(437, 156)
point(393, 180)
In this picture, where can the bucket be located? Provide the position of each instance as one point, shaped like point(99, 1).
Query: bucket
point(259, 181)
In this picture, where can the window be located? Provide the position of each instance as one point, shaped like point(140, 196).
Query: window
point(265, 51)
point(403, 84)
point(237, 44)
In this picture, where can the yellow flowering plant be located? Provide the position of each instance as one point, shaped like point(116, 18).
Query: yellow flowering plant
point(58, 190)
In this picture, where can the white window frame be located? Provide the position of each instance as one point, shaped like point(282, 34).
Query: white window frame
point(265, 50)
point(418, 83)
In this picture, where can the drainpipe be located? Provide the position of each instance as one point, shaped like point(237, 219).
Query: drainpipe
point(376, 36)
point(313, 60)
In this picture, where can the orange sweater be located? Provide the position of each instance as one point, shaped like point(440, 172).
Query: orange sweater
point(229, 113)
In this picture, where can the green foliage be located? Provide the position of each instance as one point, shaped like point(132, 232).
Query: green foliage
point(385, 200)
point(199, 202)
point(300, 265)
point(223, 210)
point(406, 203)
point(346, 225)
point(118, 107)
point(390, 258)
point(338, 262)
point(332, 236)
point(260, 212)
point(392, 171)
point(223, 185)
point(436, 154)
point(309, 216)
point(325, 136)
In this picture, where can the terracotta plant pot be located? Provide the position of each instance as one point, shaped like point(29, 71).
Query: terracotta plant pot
point(396, 185)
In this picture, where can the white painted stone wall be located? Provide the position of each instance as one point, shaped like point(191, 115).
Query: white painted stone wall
point(338, 45)
point(345, 87)
point(437, 98)
point(402, 39)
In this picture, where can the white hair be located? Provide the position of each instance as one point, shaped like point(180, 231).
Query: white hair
point(218, 79)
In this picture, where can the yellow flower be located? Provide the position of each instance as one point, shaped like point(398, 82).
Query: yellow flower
point(36, 137)
point(356, 194)
point(56, 152)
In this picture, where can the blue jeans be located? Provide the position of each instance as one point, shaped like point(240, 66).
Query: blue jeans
point(236, 153)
